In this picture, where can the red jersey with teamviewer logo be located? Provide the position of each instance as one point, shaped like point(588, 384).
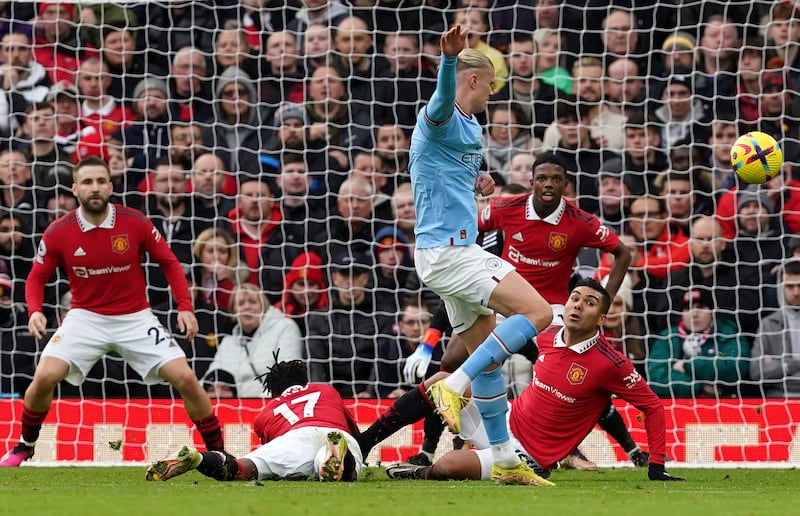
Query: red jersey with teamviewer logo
point(573, 384)
point(544, 250)
point(315, 404)
point(104, 262)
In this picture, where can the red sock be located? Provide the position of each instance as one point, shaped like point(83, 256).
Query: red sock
point(32, 423)
point(210, 432)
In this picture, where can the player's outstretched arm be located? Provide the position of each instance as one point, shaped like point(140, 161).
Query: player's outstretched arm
point(442, 103)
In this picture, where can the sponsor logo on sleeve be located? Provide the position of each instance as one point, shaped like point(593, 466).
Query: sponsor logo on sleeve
point(41, 252)
point(602, 233)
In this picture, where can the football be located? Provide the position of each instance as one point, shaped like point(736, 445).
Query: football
point(756, 157)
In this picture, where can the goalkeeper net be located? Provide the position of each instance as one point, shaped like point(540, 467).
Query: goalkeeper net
point(268, 142)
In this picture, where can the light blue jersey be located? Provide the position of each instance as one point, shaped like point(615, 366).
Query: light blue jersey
point(445, 158)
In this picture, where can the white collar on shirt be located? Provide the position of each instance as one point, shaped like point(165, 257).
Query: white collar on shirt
point(553, 219)
point(87, 226)
point(581, 347)
point(103, 110)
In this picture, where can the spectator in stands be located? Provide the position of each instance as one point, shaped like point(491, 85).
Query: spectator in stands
point(783, 37)
point(146, 141)
point(57, 45)
point(780, 113)
point(64, 98)
point(186, 143)
point(412, 74)
point(724, 131)
point(216, 267)
point(525, 90)
point(369, 166)
point(239, 118)
point(22, 80)
point(703, 355)
point(393, 262)
point(209, 178)
point(353, 226)
point(126, 66)
point(738, 294)
point(231, 49)
point(683, 117)
point(189, 86)
point(125, 181)
point(304, 290)
point(762, 241)
point(607, 127)
point(507, 131)
point(323, 12)
point(302, 224)
point(404, 215)
point(169, 209)
point(643, 158)
point(342, 342)
point(718, 48)
point(613, 195)
point(17, 249)
point(476, 23)
point(17, 182)
point(623, 327)
point(282, 79)
point(776, 347)
point(660, 247)
point(679, 54)
point(100, 110)
point(620, 38)
point(747, 83)
point(255, 217)
point(520, 168)
point(51, 163)
point(335, 123)
point(364, 75)
point(414, 319)
point(548, 60)
point(261, 331)
point(317, 45)
point(625, 86)
point(687, 195)
point(176, 25)
point(579, 150)
point(392, 143)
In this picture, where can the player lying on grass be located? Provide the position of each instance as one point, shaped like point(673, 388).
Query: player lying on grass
point(576, 373)
point(305, 432)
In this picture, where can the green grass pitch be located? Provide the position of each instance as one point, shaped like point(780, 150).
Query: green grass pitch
point(123, 490)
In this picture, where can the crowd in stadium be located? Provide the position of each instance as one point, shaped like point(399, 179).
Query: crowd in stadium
point(268, 143)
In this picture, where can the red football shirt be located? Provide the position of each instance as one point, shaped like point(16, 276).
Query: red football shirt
point(315, 404)
point(104, 263)
point(569, 391)
point(544, 250)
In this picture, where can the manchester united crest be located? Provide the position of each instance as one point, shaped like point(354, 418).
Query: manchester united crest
point(557, 241)
point(576, 374)
point(120, 243)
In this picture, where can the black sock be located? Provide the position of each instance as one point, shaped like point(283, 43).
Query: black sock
point(529, 350)
point(219, 465)
point(433, 427)
point(407, 409)
point(613, 424)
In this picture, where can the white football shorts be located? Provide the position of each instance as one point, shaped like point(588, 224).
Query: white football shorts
point(464, 277)
point(139, 338)
point(298, 454)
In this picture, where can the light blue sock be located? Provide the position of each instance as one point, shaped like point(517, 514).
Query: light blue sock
point(506, 339)
point(489, 395)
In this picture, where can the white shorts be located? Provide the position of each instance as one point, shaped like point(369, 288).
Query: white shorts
point(464, 277)
point(139, 338)
point(298, 454)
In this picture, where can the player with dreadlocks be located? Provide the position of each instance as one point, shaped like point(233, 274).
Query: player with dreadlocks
point(305, 431)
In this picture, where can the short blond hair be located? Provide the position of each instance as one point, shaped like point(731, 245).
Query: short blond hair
point(470, 59)
point(248, 289)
